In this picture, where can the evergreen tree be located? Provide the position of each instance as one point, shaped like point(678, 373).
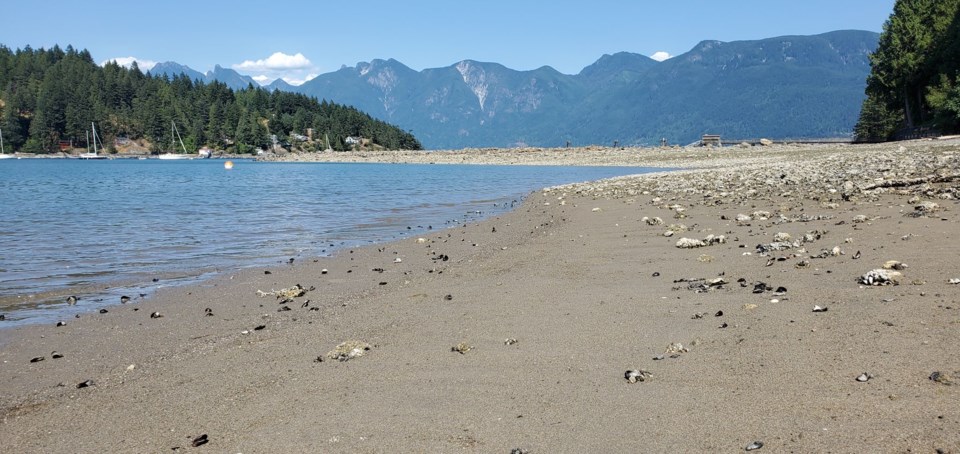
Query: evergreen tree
point(915, 69)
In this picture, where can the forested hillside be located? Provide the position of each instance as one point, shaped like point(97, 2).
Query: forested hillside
point(914, 82)
point(49, 97)
point(785, 87)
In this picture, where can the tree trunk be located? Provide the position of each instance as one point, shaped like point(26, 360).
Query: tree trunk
point(906, 108)
point(920, 105)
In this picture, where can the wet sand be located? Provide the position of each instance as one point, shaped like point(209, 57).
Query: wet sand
point(552, 304)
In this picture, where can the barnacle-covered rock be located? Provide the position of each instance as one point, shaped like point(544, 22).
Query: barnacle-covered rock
point(652, 221)
point(675, 349)
point(782, 237)
point(690, 243)
point(349, 350)
point(924, 209)
point(881, 277)
point(461, 348)
point(761, 215)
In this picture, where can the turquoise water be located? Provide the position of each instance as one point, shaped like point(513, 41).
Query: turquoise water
point(115, 226)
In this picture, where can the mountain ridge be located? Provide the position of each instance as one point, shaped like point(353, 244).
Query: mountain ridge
point(781, 87)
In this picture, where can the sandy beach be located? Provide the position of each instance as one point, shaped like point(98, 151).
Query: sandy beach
point(574, 323)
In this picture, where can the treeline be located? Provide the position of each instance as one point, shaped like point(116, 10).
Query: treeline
point(915, 77)
point(51, 96)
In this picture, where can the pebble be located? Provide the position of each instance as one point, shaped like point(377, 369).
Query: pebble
point(156, 315)
point(942, 378)
point(819, 309)
point(124, 299)
point(71, 300)
point(201, 440)
point(510, 341)
point(864, 377)
point(85, 384)
point(37, 359)
point(754, 446)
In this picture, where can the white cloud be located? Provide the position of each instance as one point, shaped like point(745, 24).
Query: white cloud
point(279, 61)
point(126, 62)
point(661, 56)
point(262, 79)
point(295, 81)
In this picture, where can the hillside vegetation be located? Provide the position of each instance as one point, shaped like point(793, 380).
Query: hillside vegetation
point(52, 96)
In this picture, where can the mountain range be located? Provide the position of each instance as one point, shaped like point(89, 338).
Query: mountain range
point(779, 88)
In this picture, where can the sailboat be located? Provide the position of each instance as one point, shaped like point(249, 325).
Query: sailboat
point(93, 155)
point(3, 154)
point(175, 134)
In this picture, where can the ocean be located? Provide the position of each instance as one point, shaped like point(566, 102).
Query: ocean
point(99, 229)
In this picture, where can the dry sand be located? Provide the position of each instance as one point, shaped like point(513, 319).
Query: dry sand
point(587, 290)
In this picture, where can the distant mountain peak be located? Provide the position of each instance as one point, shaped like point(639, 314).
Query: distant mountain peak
point(780, 87)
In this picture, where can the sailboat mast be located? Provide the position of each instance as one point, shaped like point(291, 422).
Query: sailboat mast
point(178, 138)
point(94, 127)
point(1, 142)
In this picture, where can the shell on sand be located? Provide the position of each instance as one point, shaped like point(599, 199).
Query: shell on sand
point(635, 375)
point(295, 291)
point(461, 348)
point(894, 265)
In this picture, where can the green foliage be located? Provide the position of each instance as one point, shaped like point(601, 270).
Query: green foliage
point(876, 122)
point(53, 95)
point(914, 70)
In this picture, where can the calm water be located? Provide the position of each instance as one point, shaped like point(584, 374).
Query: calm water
point(68, 225)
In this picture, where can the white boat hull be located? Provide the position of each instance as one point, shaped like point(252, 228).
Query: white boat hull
point(172, 156)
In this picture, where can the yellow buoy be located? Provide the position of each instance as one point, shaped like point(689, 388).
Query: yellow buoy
point(228, 165)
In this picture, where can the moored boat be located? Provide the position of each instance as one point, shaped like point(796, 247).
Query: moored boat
point(93, 155)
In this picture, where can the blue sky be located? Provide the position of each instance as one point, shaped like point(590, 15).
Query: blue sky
point(263, 39)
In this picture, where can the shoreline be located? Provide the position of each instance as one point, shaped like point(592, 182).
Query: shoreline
point(587, 288)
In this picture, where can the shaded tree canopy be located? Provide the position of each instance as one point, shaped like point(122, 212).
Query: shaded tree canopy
point(52, 95)
point(915, 72)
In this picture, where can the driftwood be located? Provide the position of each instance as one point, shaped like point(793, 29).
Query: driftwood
point(902, 183)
